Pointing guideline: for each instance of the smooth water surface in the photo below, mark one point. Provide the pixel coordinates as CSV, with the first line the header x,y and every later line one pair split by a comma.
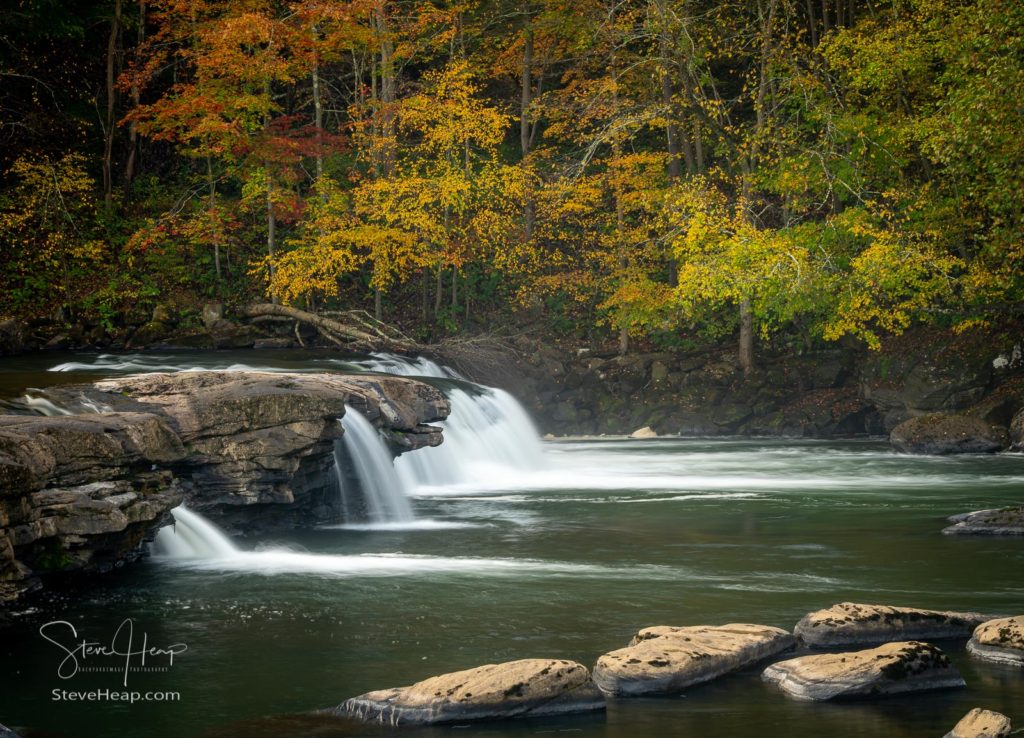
x,y
566,559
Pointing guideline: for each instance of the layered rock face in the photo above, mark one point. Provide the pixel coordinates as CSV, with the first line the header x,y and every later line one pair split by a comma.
x,y
999,640
525,688
894,668
851,624
81,493
664,660
252,450
980,723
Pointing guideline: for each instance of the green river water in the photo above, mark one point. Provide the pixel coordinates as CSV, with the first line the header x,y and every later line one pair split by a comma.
x,y
565,560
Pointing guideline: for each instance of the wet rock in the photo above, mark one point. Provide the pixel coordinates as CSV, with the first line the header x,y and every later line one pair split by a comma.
x,y
645,432
274,343
999,640
665,660
980,723
1004,521
526,688
851,624
6,732
948,434
894,668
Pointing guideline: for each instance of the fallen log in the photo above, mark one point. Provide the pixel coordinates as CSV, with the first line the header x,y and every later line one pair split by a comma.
x,y
356,333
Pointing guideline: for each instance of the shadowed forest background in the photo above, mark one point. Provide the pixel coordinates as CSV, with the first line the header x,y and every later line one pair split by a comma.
x,y
663,171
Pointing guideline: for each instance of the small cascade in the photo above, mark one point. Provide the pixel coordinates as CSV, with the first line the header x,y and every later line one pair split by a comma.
x,y
192,537
362,452
488,432
43,406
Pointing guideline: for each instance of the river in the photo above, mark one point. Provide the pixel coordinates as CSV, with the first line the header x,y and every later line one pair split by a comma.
x,y
559,549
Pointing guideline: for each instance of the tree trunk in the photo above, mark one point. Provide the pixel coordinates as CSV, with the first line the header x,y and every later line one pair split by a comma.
x,y
133,126
746,338
377,308
212,184
271,228
318,110
359,331
108,132
439,291
525,133
455,289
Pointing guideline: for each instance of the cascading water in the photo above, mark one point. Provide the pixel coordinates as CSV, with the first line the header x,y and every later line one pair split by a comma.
x,y
488,432
192,537
382,493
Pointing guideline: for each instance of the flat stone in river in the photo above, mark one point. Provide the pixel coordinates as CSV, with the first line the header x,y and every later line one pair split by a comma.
x,y
999,640
980,723
665,659
525,688
1004,521
894,668
852,624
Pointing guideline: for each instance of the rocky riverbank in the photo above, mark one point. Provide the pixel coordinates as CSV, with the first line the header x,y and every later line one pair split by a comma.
x,y
83,493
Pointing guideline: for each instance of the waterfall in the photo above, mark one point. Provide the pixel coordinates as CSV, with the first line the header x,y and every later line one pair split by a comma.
x,y
488,432
363,453
192,537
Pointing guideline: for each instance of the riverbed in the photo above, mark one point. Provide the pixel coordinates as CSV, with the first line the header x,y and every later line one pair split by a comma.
x,y
563,551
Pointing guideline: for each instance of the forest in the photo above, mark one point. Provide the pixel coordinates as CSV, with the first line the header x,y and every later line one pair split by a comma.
x,y
656,171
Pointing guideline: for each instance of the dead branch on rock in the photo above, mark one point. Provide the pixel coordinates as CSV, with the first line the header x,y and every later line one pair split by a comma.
x,y
357,333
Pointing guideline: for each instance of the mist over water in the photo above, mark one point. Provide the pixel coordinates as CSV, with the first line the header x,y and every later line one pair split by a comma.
x,y
516,548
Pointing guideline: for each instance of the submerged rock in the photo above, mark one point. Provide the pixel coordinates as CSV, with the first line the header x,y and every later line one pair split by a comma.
x,y
999,640
980,723
1004,521
942,434
894,668
851,624
526,688
664,659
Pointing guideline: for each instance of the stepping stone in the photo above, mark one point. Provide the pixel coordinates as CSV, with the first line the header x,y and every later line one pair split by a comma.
x,y
980,723
665,659
851,624
999,640
525,688
894,668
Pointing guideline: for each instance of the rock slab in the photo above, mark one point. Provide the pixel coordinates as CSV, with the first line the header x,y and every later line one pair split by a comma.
x,y
940,433
852,624
895,668
1004,521
665,659
980,723
525,688
999,640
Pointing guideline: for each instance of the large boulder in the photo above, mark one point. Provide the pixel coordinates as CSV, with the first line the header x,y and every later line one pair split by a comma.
x,y
1004,521
999,640
980,723
939,433
526,688
665,660
851,624
894,668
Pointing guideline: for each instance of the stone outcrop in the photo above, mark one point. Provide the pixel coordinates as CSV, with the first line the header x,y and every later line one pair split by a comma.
x,y
894,668
1004,521
526,688
81,493
645,432
999,640
665,660
980,723
942,434
851,624
253,450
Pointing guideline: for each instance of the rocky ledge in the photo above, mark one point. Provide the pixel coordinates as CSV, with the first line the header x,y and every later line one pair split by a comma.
x,y
942,434
894,668
1004,521
980,723
252,450
81,493
999,640
664,660
525,688
851,624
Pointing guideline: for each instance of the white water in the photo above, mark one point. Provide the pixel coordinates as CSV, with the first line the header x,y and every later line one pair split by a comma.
x,y
193,537
381,491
